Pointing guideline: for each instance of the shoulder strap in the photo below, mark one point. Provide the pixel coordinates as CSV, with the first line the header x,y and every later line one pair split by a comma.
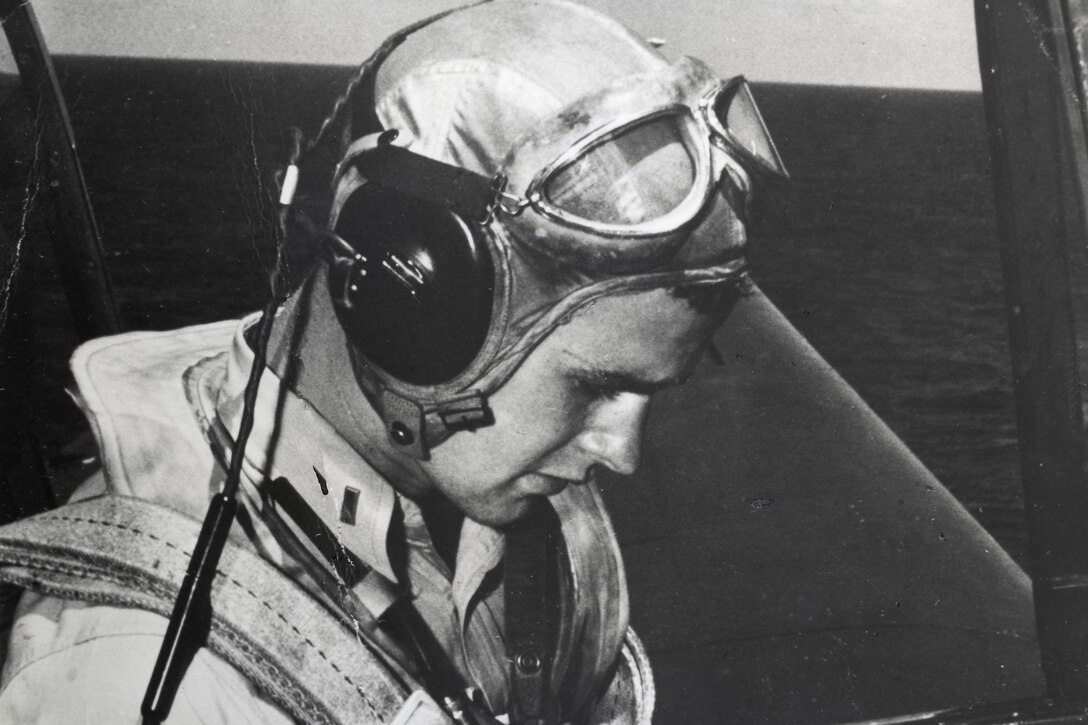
x,y
534,607
128,552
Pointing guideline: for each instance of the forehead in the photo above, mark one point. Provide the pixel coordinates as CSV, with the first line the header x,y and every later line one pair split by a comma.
x,y
652,334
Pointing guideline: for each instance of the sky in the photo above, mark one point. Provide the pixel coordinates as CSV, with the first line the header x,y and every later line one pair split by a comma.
x,y
884,43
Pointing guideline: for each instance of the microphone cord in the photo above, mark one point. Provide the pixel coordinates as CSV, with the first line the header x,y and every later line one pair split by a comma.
x,y
190,620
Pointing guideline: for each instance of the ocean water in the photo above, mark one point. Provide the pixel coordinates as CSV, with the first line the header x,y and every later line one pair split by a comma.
x,y
880,249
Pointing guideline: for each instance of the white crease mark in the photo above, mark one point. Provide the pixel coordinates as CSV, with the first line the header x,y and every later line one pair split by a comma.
x,y
260,225
260,185
32,187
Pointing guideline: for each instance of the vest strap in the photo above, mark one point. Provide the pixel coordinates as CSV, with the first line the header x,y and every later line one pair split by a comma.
x,y
124,551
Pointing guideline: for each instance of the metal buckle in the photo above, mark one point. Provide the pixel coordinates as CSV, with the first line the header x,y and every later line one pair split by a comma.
x,y
509,204
467,411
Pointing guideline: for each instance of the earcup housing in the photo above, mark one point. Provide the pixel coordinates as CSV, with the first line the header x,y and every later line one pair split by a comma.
x,y
416,301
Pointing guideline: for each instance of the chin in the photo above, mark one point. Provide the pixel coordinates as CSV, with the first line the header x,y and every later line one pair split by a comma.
x,y
515,501
499,516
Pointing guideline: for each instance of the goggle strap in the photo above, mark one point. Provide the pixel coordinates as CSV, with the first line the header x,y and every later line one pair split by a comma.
x,y
464,192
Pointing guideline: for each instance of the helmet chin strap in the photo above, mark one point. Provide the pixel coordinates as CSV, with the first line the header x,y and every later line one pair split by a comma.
x,y
404,425
415,427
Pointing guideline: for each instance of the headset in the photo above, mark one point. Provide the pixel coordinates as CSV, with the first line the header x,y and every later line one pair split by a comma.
x,y
412,277
412,268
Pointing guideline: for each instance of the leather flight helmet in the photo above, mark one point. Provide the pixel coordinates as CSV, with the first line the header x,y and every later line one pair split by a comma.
x,y
512,162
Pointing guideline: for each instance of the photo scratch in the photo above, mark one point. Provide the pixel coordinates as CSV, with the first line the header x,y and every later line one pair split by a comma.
x,y
15,257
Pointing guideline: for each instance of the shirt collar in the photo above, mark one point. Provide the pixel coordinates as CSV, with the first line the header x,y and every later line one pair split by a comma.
x,y
291,439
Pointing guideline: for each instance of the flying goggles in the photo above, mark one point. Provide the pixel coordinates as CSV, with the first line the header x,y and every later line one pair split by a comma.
x,y
610,182
634,183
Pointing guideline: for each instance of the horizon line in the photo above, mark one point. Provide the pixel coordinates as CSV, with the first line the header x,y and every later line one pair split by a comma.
x,y
753,78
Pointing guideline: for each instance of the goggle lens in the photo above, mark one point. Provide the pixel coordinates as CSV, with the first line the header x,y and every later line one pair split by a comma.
x,y
741,124
640,174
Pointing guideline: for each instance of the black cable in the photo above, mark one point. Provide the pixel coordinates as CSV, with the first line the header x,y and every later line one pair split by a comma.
x,y
190,621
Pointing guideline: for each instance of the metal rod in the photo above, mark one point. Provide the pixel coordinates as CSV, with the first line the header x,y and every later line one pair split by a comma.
x,y
76,240
1025,60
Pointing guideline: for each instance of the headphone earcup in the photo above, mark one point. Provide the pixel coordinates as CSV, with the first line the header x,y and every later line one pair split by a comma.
x,y
416,300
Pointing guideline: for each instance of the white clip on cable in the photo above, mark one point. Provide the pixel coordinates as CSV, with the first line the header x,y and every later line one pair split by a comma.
x,y
290,183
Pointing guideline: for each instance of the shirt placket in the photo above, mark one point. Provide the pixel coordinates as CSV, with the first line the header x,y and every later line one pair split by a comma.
x,y
461,617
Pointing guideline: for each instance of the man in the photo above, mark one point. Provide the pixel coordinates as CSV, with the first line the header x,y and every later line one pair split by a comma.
x,y
537,226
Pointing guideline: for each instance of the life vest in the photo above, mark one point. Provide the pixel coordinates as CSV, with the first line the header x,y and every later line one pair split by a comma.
x,y
123,551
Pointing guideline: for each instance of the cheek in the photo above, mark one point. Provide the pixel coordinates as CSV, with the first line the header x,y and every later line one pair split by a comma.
x,y
537,426
539,418
525,431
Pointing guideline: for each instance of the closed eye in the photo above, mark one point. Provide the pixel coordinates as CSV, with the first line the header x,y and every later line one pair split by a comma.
x,y
598,384
596,391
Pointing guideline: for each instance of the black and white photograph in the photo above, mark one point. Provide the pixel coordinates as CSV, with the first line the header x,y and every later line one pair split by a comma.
x,y
543,362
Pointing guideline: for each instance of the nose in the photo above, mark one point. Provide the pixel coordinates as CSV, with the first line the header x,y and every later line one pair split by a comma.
x,y
613,433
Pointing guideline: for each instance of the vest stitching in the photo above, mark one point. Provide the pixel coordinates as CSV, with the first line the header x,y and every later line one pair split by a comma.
x,y
232,580
45,587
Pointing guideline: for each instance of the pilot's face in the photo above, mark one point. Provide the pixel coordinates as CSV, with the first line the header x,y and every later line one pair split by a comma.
x,y
579,400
